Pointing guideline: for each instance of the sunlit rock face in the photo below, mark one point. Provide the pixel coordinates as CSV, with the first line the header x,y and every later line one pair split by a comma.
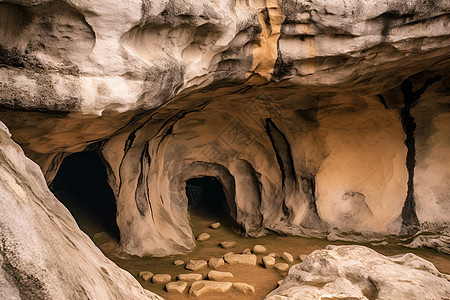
x,y
43,253
318,118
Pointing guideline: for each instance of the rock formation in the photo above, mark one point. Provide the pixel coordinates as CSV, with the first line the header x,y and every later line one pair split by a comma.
x,y
43,253
317,117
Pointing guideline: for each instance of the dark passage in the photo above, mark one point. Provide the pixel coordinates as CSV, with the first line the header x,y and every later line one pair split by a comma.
x,y
206,197
81,186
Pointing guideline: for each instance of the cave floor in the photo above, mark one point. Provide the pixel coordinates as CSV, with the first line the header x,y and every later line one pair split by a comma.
x,y
264,280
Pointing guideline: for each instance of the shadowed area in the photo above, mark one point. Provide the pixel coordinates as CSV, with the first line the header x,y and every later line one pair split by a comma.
x,y
81,186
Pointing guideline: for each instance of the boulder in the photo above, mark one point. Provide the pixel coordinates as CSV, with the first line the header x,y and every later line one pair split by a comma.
x,y
219,276
176,287
200,288
190,277
215,225
282,267
244,288
195,265
259,249
246,259
268,261
178,262
203,237
161,278
227,244
287,257
145,275
216,263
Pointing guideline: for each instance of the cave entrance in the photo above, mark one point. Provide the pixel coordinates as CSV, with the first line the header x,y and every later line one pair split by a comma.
x,y
206,198
81,185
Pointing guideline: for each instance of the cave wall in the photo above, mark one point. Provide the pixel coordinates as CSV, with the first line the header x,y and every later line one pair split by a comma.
x,y
318,117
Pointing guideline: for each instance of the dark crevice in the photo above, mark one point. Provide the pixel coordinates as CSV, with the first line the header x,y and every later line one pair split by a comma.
x,y
312,219
142,197
382,101
410,222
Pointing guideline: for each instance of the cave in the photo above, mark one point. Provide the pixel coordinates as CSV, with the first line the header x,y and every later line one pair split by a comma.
x,y
206,197
81,185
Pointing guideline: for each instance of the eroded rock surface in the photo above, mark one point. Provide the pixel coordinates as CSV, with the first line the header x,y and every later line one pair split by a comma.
x,y
357,272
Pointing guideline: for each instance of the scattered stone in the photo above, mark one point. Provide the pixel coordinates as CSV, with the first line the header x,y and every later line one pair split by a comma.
x,y
228,253
178,262
246,259
247,251
287,257
177,287
268,261
282,267
215,225
198,288
145,275
219,276
161,278
302,257
273,254
244,288
227,244
203,237
279,282
195,265
216,263
259,249
190,277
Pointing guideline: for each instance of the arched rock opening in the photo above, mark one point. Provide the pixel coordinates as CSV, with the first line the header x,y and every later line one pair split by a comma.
x,y
81,185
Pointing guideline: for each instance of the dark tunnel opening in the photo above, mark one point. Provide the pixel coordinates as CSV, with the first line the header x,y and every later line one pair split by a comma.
x,y
81,185
206,197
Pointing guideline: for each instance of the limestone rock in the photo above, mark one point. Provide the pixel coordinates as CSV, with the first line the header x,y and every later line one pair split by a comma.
x,y
178,262
358,272
176,287
203,237
259,249
283,267
246,259
42,240
287,257
244,288
190,277
268,261
161,278
200,288
145,275
195,265
216,263
215,225
219,276
227,244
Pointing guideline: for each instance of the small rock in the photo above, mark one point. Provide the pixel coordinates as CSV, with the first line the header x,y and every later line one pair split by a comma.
x,y
216,263
161,278
259,249
219,276
268,261
195,265
282,267
177,287
198,288
246,259
247,251
244,288
226,254
178,262
190,277
287,257
273,254
203,237
302,257
227,245
279,282
215,225
145,275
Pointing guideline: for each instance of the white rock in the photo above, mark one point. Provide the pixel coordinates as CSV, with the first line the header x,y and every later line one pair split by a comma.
x,y
199,288
145,275
357,272
195,265
219,276
215,225
176,287
247,259
244,288
268,261
287,257
178,262
259,249
216,263
190,277
281,267
203,237
161,278
227,244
